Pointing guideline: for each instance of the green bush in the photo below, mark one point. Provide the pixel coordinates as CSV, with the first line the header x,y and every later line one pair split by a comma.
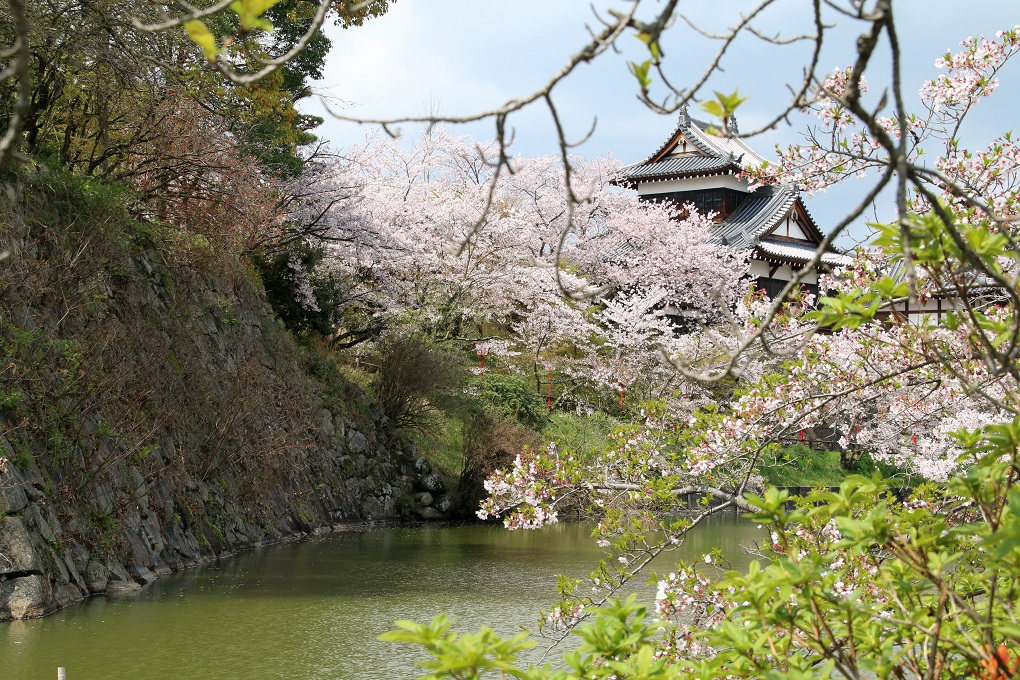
x,y
581,433
413,378
800,465
282,287
513,397
336,300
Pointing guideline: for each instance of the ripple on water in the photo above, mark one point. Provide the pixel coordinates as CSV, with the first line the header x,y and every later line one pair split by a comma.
x,y
313,609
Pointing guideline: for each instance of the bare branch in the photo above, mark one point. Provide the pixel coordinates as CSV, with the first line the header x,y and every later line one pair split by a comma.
x,y
17,68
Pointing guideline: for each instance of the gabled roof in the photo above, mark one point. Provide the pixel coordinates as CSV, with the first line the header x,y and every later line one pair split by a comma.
x,y
760,212
750,226
709,153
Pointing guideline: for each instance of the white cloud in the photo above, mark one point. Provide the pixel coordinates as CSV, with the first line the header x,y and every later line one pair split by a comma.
x,y
464,56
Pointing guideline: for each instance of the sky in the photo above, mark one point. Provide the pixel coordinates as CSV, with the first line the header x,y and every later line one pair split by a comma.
x,y
458,57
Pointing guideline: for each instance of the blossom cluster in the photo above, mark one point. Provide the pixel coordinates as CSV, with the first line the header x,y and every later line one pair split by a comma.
x,y
525,494
689,601
844,146
564,618
969,74
431,238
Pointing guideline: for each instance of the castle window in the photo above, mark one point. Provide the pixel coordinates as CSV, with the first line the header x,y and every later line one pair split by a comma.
x,y
721,201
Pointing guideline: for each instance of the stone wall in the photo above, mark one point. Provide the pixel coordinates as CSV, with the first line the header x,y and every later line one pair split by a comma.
x,y
155,414
55,551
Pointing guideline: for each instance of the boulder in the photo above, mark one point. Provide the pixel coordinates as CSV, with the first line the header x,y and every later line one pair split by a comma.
x,y
444,503
67,594
428,512
12,485
16,554
25,597
119,581
141,574
421,466
432,482
357,442
96,577
39,524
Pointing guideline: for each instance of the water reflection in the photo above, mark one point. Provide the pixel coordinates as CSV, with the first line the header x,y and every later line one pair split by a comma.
x,y
313,609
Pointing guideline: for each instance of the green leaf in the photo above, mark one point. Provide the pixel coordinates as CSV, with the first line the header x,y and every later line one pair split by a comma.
x,y
653,46
724,105
713,108
250,12
1005,540
641,72
201,36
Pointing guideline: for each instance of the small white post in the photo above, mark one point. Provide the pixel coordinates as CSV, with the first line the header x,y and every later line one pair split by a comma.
x,y
61,673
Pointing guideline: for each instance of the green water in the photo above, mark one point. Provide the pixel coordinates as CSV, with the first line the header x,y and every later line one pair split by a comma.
x,y
313,609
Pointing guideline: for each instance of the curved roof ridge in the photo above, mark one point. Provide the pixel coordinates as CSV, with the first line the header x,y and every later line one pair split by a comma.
x,y
669,140
761,211
725,146
684,124
715,146
801,251
784,208
695,132
803,205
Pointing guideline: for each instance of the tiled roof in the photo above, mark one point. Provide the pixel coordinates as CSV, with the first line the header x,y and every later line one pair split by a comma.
x,y
801,252
746,228
759,212
674,165
723,147
720,151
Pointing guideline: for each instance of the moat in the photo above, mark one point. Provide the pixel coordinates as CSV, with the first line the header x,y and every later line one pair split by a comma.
x,y
313,609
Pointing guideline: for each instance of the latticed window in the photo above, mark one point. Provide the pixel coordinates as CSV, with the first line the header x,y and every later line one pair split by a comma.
x,y
773,287
721,201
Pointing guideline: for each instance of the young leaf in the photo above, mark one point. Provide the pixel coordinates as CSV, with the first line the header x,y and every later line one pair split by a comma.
x,y
640,72
724,105
653,46
250,12
201,36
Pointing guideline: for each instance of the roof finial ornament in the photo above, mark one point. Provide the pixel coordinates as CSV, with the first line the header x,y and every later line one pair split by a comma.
x,y
731,124
685,116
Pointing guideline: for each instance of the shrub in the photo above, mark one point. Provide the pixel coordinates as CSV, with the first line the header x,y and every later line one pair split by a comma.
x,y
413,376
513,397
491,441
800,465
581,433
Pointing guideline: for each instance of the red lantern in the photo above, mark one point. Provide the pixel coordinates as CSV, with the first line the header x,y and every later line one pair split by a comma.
x,y
482,350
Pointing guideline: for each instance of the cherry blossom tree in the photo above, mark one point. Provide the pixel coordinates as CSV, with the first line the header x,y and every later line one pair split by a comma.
x,y
447,247
856,580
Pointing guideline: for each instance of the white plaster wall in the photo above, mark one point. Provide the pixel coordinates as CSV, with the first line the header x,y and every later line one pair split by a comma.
x,y
693,184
